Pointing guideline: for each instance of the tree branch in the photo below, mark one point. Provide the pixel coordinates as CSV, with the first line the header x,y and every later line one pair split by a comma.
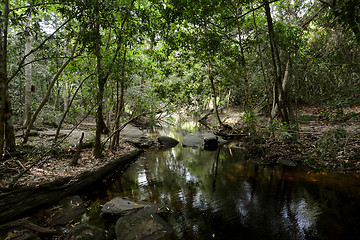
x,y
37,5
250,11
21,64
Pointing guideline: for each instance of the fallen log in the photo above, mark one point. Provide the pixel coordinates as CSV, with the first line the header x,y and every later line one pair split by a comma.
x,y
17,202
26,223
230,135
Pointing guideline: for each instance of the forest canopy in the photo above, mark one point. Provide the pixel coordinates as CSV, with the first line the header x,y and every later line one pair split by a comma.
x,y
61,61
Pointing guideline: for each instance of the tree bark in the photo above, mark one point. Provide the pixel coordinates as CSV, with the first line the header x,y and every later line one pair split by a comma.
x,y
211,80
279,94
7,136
101,85
120,104
28,79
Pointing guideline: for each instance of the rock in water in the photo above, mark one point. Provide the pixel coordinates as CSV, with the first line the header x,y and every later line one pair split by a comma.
x,y
120,206
167,142
136,137
193,140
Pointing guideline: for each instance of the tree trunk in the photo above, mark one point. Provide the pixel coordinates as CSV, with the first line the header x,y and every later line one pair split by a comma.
x,y
68,107
100,95
120,104
211,80
7,136
65,95
3,80
28,79
279,94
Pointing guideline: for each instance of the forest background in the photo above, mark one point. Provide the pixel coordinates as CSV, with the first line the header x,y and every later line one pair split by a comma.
x,y
113,60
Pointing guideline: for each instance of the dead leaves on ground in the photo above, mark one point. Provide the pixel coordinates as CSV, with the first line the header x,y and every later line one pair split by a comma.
x,y
56,167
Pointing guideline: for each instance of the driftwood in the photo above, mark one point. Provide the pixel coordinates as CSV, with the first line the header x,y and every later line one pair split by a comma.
x,y
17,202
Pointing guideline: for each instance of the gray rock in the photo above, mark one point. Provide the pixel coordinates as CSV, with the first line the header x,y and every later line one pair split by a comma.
x,y
193,140
70,208
196,140
136,137
120,206
85,232
138,226
123,207
167,142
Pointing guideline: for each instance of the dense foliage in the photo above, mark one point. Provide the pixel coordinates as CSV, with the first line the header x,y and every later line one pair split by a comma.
x,y
104,58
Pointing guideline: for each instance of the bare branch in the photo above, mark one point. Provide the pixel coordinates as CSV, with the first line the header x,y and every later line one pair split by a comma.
x,y
21,64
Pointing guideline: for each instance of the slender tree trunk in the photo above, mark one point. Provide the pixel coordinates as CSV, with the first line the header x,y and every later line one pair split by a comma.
x,y
46,97
100,95
28,79
68,107
211,80
266,81
120,105
65,94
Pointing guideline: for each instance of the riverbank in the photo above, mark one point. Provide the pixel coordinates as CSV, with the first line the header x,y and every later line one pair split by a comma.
x,y
323,139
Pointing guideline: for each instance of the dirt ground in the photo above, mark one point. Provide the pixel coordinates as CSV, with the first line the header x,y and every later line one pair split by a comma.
x,y
326,140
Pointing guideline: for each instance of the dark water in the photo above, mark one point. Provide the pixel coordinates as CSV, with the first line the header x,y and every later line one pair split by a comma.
x,y
220,195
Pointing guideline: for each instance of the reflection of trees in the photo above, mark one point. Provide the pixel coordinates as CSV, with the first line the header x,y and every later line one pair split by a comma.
x,y
221,193
215,168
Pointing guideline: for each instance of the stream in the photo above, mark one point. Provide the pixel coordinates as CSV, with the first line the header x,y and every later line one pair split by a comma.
x,y
221,195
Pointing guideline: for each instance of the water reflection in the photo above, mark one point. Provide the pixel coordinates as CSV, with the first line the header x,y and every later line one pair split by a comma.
x,y
218,194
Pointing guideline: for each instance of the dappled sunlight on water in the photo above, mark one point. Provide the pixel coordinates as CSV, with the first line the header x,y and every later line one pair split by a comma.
x,y
219,194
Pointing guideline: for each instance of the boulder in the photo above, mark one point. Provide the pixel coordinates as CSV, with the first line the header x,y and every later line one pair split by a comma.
x,y
193,140
70,208
137,226
135,136
85,232
123,207
120,206
166,141
210,139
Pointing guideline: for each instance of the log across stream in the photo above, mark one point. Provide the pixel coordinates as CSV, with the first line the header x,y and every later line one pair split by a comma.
x,y
17,202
